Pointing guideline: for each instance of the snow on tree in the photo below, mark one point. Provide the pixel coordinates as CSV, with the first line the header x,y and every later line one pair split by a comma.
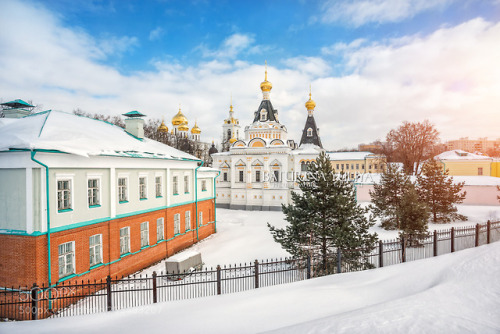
x,y
325,216
413,215
437,189
413,143
387,195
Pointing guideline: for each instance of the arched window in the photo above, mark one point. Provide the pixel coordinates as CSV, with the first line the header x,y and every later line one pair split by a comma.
x,y
263,115
303,167
309,132
229,133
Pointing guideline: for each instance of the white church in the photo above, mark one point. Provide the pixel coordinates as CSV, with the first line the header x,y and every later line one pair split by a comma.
x,y
259,171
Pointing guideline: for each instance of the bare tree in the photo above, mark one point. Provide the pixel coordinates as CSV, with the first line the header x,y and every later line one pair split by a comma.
x,y
413,143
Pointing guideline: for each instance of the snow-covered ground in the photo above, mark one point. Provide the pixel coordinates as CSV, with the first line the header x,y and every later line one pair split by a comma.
x,y
243,236
453,293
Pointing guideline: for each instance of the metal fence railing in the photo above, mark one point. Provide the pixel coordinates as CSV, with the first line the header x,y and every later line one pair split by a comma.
x,y
86,297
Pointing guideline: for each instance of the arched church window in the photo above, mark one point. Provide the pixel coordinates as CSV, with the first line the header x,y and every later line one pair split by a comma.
x,y
303,167
263,114
309,132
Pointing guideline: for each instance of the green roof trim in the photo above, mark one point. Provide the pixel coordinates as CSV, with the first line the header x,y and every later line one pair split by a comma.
x,y
17,103
134,113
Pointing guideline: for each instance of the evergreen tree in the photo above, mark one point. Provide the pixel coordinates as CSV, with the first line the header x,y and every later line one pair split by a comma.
x,y
413,215
387,195
437,189
325,216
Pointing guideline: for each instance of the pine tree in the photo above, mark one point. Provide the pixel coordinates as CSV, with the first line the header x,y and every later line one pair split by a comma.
x,y
437,189
325,216
387,195
413,215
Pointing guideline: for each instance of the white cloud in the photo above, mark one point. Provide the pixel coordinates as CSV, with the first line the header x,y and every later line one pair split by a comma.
x,y
450,77
358,13
231,47
113,45
156,33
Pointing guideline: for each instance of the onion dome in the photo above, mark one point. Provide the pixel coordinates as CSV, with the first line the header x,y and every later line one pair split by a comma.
x,y
183,127
163,127
232,140
310,105
195,129
212,149
266,86
179,119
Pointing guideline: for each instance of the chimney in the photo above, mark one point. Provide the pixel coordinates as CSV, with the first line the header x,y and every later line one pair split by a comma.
x,y
134,124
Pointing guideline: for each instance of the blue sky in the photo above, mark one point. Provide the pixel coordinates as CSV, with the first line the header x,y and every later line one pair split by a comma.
x,y
371,64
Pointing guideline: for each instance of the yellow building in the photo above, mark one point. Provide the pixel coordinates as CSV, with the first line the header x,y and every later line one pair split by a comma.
x,y
459,162
357,163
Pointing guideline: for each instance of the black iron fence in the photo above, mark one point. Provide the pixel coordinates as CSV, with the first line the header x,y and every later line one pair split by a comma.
x,y
86,297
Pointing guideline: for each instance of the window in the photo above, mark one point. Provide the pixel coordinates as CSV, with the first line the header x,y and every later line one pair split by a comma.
x,y
225,176
95,249
159,229
309,132
276,175
346,166
177,223
257,176
370,166
158,186
93,192
66,259
303,167
362,166
241,175
64,195
480,171
263,115
122,189
338,167
342,166
144,234
200,222
357,166
187,220
375,166
176,185
186,184
124,240
203,185
143,190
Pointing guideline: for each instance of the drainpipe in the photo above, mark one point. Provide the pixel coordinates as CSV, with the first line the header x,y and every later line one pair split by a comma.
x,y
196,197
215,203
48,215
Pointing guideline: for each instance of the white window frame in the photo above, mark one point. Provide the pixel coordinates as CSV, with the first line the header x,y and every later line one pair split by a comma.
x,y
187,220
177,223
144,234
175,184
66,257
309,132
263,115
160,229
70,179
125,240
95,250
186,184
203,185
143,188
120,200
159,186
98,190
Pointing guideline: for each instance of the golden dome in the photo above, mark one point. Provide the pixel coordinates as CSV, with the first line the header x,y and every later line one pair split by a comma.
x,y
310,105
232,140
265,85
179,119
183,127
163,127
195,129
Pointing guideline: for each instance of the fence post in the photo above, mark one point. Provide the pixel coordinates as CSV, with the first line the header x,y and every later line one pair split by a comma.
x,y
435,244
256,264
403,249
108,288
34,302
339,261
452,236
380,254
308,264
488,232
218,280
477,235
155,292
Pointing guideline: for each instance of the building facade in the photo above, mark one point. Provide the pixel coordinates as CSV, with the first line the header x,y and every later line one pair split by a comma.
x,y
459,162
83,199
259,172
355,164
482,145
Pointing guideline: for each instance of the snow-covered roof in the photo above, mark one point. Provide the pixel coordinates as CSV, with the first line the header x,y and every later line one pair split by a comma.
x,y
307,149
338,156
470,180
460,155
69,133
